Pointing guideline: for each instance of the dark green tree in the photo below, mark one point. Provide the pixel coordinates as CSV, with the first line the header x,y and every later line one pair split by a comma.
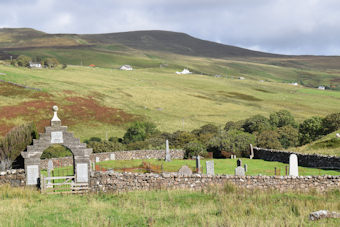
x,y
23,61
257,123
310,130
268,139
139,131
288,136
282,118
331,123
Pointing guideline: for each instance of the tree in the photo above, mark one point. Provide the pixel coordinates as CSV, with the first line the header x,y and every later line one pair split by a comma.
x,y
281,118
257,123
268,139
180,138
288,136
139,131
310,130
234,125
331,123
23,61
195,148
50,62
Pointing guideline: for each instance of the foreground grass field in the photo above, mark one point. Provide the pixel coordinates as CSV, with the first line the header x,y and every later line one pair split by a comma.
x,y
225,206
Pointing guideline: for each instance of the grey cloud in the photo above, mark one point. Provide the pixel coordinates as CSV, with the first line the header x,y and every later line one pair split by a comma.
x,y
280,26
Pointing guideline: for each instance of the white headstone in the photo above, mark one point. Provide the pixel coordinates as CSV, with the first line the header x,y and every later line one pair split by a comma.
x,y
97,159
239,171
210,167
82,172
167,151
32,174
57,137
293,165
113,156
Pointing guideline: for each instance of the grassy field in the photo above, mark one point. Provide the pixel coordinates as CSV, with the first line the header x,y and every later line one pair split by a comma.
x,y
225,206
94,101
222,166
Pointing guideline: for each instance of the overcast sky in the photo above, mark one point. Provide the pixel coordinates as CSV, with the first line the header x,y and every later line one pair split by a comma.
x,y
278,26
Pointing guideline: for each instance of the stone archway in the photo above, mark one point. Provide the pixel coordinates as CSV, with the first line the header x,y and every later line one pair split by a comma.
x,y
57,134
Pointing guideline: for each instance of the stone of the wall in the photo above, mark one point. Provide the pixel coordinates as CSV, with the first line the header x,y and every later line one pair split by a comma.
x,y
14,177
119,155
120,182
306,160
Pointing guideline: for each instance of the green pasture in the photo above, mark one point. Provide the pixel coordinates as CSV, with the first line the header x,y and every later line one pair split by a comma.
x,y
222,206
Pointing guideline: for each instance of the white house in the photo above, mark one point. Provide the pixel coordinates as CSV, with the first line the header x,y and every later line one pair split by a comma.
x,y
126,67
321,88
241,78
185,71
35,65
294,84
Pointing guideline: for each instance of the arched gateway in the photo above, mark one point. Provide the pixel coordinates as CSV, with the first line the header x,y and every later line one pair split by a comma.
x,y
57,134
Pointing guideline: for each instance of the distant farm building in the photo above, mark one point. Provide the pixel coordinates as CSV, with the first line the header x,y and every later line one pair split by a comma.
x,y
241,78
322,88
185,71
35,65
294,84
126,67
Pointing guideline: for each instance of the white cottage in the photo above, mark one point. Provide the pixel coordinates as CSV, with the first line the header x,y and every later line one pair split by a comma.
x,y
185,71
35,65
126,67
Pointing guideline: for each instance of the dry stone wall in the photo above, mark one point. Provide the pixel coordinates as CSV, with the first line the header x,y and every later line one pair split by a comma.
x,y
14,177
306,160
118,155
121,182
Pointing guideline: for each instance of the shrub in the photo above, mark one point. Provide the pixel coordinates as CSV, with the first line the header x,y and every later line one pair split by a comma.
x,y
139,131
180,138
105,146
238,125
56,151
195,148
268,139
282,118
23,61
288,136
331,123
17,140
310,130
206,129
50,62
257,123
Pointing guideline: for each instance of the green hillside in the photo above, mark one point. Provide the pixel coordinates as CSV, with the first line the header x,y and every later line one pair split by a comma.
x,y
96,101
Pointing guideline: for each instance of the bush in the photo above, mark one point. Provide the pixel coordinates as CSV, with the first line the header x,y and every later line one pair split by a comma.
x,y
17,140
282,118
257,123
195,148
206,129
139,131
288,136
234,141
310,130
105,146
23,61
180,138
56,151
238,125
50,62
331,123
268,139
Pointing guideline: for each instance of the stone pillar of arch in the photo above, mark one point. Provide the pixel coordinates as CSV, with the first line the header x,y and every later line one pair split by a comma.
x,y
57,134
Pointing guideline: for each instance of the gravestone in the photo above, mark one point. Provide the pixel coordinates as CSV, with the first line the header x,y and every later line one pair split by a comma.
x,y
239,171
185,170
82,173
239,162
198,164
293,165
32,174
167,151
49,169
245,167
97,159
210,167
113,156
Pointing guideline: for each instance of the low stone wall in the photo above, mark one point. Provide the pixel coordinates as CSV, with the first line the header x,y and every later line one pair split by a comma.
x,y
14,177
118,155
306,160
120,182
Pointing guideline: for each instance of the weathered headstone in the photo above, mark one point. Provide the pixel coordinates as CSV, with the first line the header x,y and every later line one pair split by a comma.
x,y
251,156
245,167
293,165
167,151
49,170
112,156
210,167
97,159
198,164
82,173
185,170
239,171
239,162
32,174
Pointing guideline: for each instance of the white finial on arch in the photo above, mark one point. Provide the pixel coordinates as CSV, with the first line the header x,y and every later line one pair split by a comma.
x,y
55,116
